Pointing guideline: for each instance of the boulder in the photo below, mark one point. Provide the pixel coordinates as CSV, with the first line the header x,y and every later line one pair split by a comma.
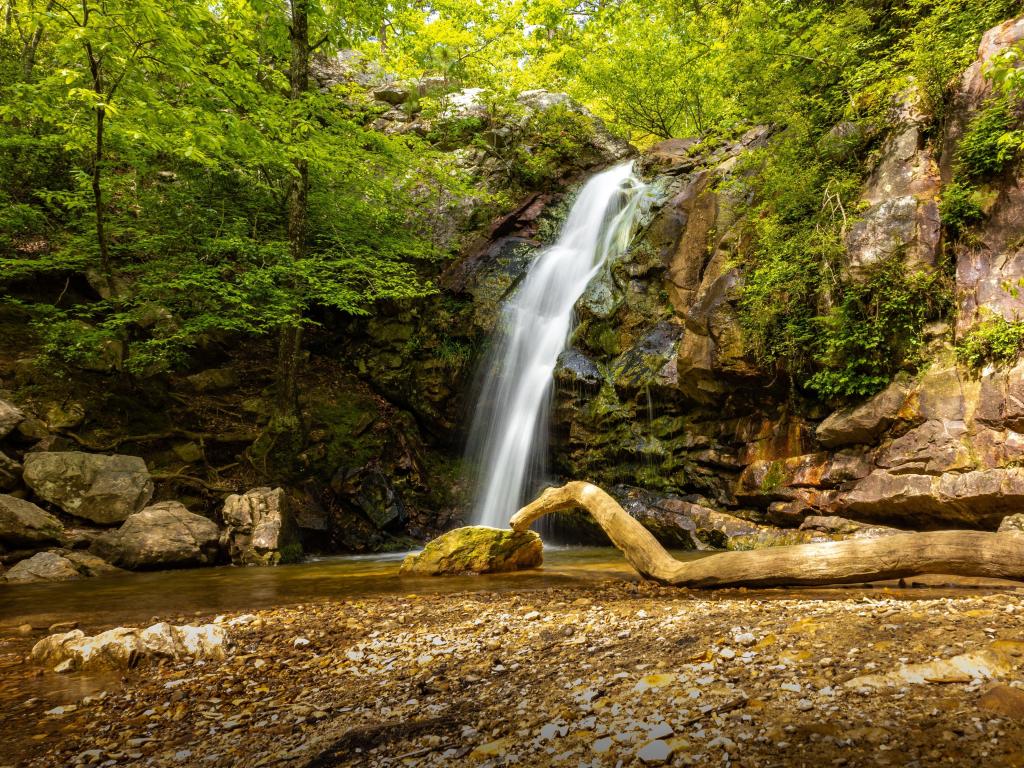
x,y
10,473
369,490
23,524
863,424
10,417
165,535
43,566
476,549
392,93
259,526
213,380
125,647
104,489
1012,523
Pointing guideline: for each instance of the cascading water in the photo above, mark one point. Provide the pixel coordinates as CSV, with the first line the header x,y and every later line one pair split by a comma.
x,y
508,439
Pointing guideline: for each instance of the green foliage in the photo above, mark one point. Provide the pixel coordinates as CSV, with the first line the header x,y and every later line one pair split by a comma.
x,y
984,149
959,208
995,340
876,329
549,139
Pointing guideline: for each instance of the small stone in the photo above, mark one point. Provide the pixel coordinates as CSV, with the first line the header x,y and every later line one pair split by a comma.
x,y
727,653
532,616
655,752
24,629
793,687
804,705
65,666
602,745
300,642
746,639
660,731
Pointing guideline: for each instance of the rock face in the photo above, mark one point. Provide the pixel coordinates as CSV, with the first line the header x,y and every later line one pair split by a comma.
x,y
259,526
125,647
165,535
23,524
104,489
1012,523
476,549
10,473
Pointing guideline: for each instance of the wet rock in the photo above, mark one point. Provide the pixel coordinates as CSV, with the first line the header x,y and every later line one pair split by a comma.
x,y
259,527
165,535
476,549
10,417
864,423
23,524
125,647
104,489
576,369
43,566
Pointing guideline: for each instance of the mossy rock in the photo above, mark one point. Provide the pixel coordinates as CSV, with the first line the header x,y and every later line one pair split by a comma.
x,y
476,549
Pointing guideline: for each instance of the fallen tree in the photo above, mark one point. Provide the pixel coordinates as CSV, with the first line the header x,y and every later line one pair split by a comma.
x,y
956,553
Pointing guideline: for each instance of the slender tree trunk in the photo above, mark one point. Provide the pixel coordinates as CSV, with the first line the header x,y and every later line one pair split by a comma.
x,y
96,72
957,553
290,341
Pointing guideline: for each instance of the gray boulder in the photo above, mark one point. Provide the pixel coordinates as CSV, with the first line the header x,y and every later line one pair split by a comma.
x,y
42,566
165,535
259,525
23,524
10,417
104,489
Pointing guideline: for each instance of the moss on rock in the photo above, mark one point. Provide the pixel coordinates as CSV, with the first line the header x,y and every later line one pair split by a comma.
x,y
476,549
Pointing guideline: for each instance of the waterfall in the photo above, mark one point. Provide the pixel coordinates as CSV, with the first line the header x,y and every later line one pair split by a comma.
x,y
508,439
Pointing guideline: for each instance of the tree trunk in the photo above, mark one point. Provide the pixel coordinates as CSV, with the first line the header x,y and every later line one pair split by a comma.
x,y
290,341
956,553
96,73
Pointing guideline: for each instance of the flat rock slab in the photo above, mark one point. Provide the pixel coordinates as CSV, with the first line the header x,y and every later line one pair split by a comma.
x,y
476,549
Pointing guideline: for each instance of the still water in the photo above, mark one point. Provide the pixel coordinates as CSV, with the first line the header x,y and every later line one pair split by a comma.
x,y
136,598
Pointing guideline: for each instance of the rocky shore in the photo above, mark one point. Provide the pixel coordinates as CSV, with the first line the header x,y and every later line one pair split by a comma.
x,y
618,673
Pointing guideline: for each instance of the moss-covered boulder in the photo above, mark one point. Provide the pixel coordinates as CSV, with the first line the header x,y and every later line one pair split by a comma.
x,y
476,549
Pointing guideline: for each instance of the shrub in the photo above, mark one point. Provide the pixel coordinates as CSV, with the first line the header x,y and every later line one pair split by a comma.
x,y
995,340
983,149
959,208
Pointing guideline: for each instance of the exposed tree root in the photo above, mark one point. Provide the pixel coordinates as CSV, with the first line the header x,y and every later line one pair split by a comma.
x,y
955,553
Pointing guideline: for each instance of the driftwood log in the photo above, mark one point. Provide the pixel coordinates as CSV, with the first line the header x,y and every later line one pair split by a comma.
x,y
955,553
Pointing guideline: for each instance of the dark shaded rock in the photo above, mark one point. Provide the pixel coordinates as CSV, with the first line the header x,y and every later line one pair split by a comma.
x,y
23,524
213,380
104,489
165,535
476,549
392,93
10,473
370,491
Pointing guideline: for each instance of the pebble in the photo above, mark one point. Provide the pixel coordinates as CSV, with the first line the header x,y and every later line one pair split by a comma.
x,y
655,752
804,705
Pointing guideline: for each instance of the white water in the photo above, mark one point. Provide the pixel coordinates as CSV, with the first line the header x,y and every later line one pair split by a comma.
x,y
508,440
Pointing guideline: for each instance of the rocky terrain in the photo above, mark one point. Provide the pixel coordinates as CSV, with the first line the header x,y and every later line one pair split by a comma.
x,y
619,673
